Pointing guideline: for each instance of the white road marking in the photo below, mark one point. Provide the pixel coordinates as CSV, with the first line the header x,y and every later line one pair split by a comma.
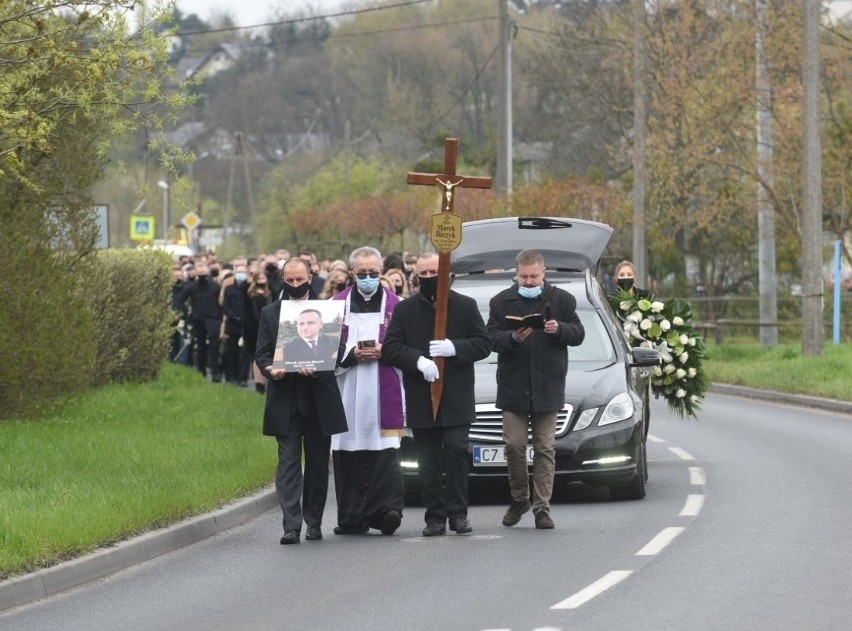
x,y
692,506
658,543
655,439
696,476
680,453
451,537
595,589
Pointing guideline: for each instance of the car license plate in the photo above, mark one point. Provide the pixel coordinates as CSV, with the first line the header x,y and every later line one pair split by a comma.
x,y
494,455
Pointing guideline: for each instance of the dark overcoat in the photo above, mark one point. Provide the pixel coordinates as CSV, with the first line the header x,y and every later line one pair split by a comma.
x,y
411,329
531,374
205,311
281,393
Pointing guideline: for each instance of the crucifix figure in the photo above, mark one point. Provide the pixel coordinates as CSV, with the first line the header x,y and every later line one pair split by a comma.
x,y
445,236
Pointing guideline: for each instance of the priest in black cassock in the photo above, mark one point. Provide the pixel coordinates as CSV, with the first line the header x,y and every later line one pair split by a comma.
x,y
367,473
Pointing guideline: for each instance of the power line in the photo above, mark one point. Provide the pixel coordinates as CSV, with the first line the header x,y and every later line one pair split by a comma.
x,y
298,20
274,43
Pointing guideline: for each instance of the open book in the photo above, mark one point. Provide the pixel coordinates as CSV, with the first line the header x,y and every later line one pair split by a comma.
x,y
534,320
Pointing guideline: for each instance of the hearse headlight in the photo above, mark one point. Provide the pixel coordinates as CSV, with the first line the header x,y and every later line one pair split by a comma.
x,y
586,418
619,408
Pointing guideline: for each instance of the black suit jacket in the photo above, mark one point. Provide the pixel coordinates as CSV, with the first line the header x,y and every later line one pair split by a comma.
x,y
283,395
297,350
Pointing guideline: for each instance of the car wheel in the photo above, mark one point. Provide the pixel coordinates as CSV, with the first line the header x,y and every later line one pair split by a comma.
x,y
635,489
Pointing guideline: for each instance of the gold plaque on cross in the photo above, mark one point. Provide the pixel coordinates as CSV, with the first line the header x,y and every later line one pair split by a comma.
x,y
446,232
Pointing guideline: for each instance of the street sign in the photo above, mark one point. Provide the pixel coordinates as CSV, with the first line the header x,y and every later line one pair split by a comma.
x,y
191,220
141,228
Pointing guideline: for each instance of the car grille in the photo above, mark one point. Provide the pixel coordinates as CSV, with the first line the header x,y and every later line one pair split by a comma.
x,y
488,427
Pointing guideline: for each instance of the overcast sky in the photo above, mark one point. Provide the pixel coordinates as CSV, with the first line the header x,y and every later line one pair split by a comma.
x,y
247,12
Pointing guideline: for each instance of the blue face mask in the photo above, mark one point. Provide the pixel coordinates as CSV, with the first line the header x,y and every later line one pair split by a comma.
x,y
367,285
240,276
529,292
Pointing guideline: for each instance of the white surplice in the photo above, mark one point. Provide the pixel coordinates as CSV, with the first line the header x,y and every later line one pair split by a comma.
x,y
359,389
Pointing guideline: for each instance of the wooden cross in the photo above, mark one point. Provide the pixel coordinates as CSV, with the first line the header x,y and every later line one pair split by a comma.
x,y
446,236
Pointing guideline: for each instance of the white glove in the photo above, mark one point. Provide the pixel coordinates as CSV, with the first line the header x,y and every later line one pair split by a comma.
x,y
442,348
428,368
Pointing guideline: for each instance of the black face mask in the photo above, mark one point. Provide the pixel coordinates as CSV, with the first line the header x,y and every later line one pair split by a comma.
x,y
625,283
428,286
261,285
298,292
214,273
202,278
397,290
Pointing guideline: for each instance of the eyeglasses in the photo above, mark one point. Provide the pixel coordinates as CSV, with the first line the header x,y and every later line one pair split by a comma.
x,y
363,275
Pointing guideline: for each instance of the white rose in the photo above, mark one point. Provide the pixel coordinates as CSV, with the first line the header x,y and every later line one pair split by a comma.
x,y
635,316
694,398
658,372
628,326
665,325
683,339
646,344
657,306
645,324
680,393
692,372
680,373
692,341
668,369
677,320
684,357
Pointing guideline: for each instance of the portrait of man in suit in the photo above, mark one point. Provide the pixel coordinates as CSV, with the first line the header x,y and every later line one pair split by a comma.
x,y
311,347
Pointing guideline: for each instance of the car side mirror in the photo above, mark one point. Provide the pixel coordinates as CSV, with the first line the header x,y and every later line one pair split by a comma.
x,y
644,357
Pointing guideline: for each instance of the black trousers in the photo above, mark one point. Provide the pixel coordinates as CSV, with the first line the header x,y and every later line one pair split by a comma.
x,y
302,497
368,484
235,360
206,350
442,451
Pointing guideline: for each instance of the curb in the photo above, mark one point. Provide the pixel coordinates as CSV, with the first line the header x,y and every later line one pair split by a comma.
x,y
803,400
29,587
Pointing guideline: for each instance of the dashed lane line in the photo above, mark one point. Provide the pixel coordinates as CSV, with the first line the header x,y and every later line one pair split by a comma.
x,y
595,589
697,477
659,543
680,453
692,506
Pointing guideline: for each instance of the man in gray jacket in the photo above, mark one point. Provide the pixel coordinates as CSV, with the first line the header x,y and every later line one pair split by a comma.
x,y
531,368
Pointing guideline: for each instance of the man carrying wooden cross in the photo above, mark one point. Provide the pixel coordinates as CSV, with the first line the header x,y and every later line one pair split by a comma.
x,y
434,338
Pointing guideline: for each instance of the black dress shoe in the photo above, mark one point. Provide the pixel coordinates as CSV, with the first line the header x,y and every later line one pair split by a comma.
x,y
346,530
290,537
461,525
434,529
313,534
391,522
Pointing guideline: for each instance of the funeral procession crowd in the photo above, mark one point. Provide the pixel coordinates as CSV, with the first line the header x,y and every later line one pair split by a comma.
x,y
346,356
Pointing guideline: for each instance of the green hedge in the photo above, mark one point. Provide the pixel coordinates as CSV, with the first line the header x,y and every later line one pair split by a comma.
x,y
132,315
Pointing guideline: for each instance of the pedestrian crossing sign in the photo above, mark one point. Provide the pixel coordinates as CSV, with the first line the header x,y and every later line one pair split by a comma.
x,y
141,228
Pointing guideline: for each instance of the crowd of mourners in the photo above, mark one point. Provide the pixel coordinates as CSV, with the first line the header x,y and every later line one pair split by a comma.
x,y
219,305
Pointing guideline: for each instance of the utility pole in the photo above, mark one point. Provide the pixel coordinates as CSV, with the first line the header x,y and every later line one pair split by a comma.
x,y
501,179
767,278
640,247
812,326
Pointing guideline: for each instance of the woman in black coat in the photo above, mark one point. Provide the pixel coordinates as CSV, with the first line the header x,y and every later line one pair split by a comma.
x,y
258,296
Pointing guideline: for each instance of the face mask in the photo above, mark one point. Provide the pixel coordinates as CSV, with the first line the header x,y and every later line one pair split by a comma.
x,y
530,292
625,283
367,285
202,278
240,276
214,273
397,290
261,284
428,285
298,292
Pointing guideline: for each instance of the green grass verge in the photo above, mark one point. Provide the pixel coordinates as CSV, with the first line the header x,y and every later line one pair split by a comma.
x,y
783,368
124,459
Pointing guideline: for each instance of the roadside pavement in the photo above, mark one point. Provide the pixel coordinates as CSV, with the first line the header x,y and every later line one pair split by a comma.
x,y
30,587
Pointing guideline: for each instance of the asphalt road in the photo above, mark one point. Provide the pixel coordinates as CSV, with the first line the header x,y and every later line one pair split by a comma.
x,y
745,526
